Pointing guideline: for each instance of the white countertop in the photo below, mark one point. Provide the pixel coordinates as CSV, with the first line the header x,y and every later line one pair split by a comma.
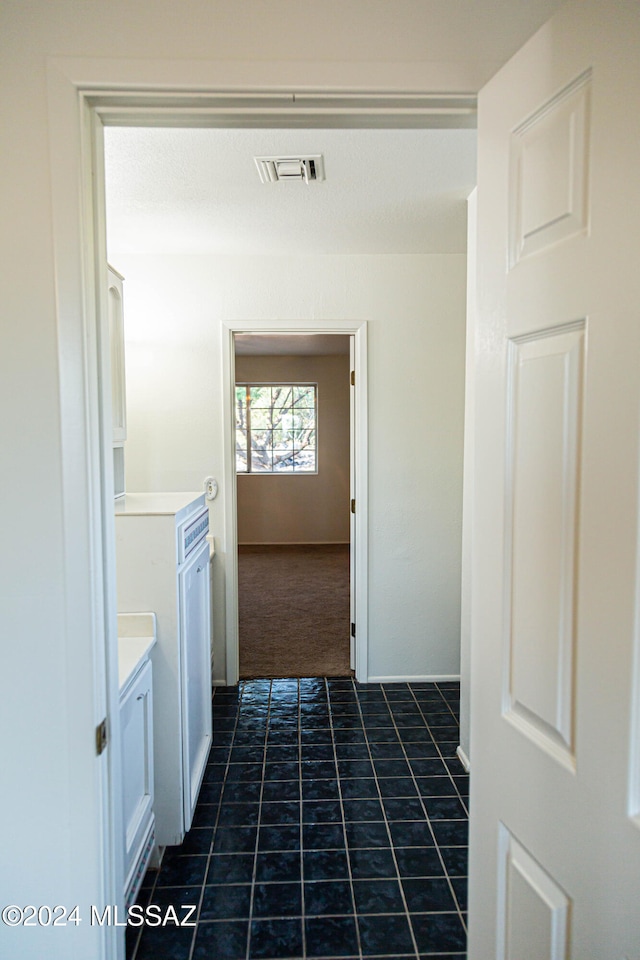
x,y
156,504
136,637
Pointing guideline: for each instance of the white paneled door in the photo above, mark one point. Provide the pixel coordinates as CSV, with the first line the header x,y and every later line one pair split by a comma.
x,y
555,705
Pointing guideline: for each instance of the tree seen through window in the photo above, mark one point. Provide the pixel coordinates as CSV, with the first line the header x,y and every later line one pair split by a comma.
x,y
276,428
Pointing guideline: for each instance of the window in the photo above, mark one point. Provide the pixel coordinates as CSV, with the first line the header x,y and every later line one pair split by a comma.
x,y
276,427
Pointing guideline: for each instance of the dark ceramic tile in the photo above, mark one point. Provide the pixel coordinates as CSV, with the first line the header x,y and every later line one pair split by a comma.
x,y
385,935
322,836
170,943
370,864
323,897
287,812
352,751
397,787
382,735
281,790
364,810
373,834
315,736
428,895
321,811
318,769
246,754
214,772
320,789
462,785
240,772
445,808
277,900
378,896
226,938
436,786
210,792
176,897
198,840
403,809
455,860
278,866
235,840
364,788
281,771
418,862
451,833
285,837
428,767
206,814
276,938
317,751
325,865
226,902
387,751
411,833
238,815
355,768
438,931
460,885
227,868
420,748
241,792
331,937
182,871
281,754
348,736
392,768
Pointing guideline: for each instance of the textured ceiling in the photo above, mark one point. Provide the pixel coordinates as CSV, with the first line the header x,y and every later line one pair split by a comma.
x,y
197,191
296,345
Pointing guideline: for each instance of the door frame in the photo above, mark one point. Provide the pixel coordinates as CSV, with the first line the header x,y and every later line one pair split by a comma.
x,y
358,446
85,94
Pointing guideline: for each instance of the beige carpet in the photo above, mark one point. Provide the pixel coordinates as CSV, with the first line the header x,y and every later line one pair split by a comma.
x,y
294,611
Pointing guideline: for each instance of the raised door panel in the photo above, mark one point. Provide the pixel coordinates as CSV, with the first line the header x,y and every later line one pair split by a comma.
x,y
136,724
196,673
543,447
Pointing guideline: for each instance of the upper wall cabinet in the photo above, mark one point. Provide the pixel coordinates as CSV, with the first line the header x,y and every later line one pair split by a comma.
x,y
116,346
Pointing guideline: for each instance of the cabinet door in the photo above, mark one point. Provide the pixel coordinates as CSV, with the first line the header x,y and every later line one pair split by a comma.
x,y
136,724
116,349
196,673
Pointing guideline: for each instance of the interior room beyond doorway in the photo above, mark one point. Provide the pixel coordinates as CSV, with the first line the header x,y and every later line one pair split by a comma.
x,y
293,519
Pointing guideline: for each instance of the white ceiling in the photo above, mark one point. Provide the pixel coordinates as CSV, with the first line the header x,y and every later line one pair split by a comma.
x,y
197,191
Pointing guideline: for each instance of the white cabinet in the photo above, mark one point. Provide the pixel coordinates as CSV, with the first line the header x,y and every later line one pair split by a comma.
x,y
136,729
163,565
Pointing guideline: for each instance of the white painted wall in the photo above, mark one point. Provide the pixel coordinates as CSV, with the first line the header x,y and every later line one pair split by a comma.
x,y
308,508
415,307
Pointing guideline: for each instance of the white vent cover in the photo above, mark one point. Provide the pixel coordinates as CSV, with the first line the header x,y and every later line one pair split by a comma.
x,y
279,169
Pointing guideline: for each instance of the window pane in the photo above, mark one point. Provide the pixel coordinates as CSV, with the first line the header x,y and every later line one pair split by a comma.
x,y
276,429
260,397
304,396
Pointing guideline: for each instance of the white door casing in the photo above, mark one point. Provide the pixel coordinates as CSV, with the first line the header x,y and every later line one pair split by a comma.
x,y
555,843
357,331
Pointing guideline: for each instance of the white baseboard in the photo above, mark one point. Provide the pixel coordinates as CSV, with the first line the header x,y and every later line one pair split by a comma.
x,y
291,543
464,759
419,678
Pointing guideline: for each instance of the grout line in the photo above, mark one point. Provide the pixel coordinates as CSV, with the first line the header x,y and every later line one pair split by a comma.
x,y
344,824
257,843
215,826
386,819
302,901
444,866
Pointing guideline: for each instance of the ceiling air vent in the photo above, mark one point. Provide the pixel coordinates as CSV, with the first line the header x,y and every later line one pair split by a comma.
x,y
279,169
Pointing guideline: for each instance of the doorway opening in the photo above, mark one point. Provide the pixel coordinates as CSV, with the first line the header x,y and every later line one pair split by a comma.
x,y
294,437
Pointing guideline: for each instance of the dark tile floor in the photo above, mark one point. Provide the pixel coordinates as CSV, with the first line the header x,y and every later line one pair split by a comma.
x,y
332,822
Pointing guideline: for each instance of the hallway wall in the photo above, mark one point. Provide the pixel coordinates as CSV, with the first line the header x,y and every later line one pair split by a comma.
x,y
415,306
